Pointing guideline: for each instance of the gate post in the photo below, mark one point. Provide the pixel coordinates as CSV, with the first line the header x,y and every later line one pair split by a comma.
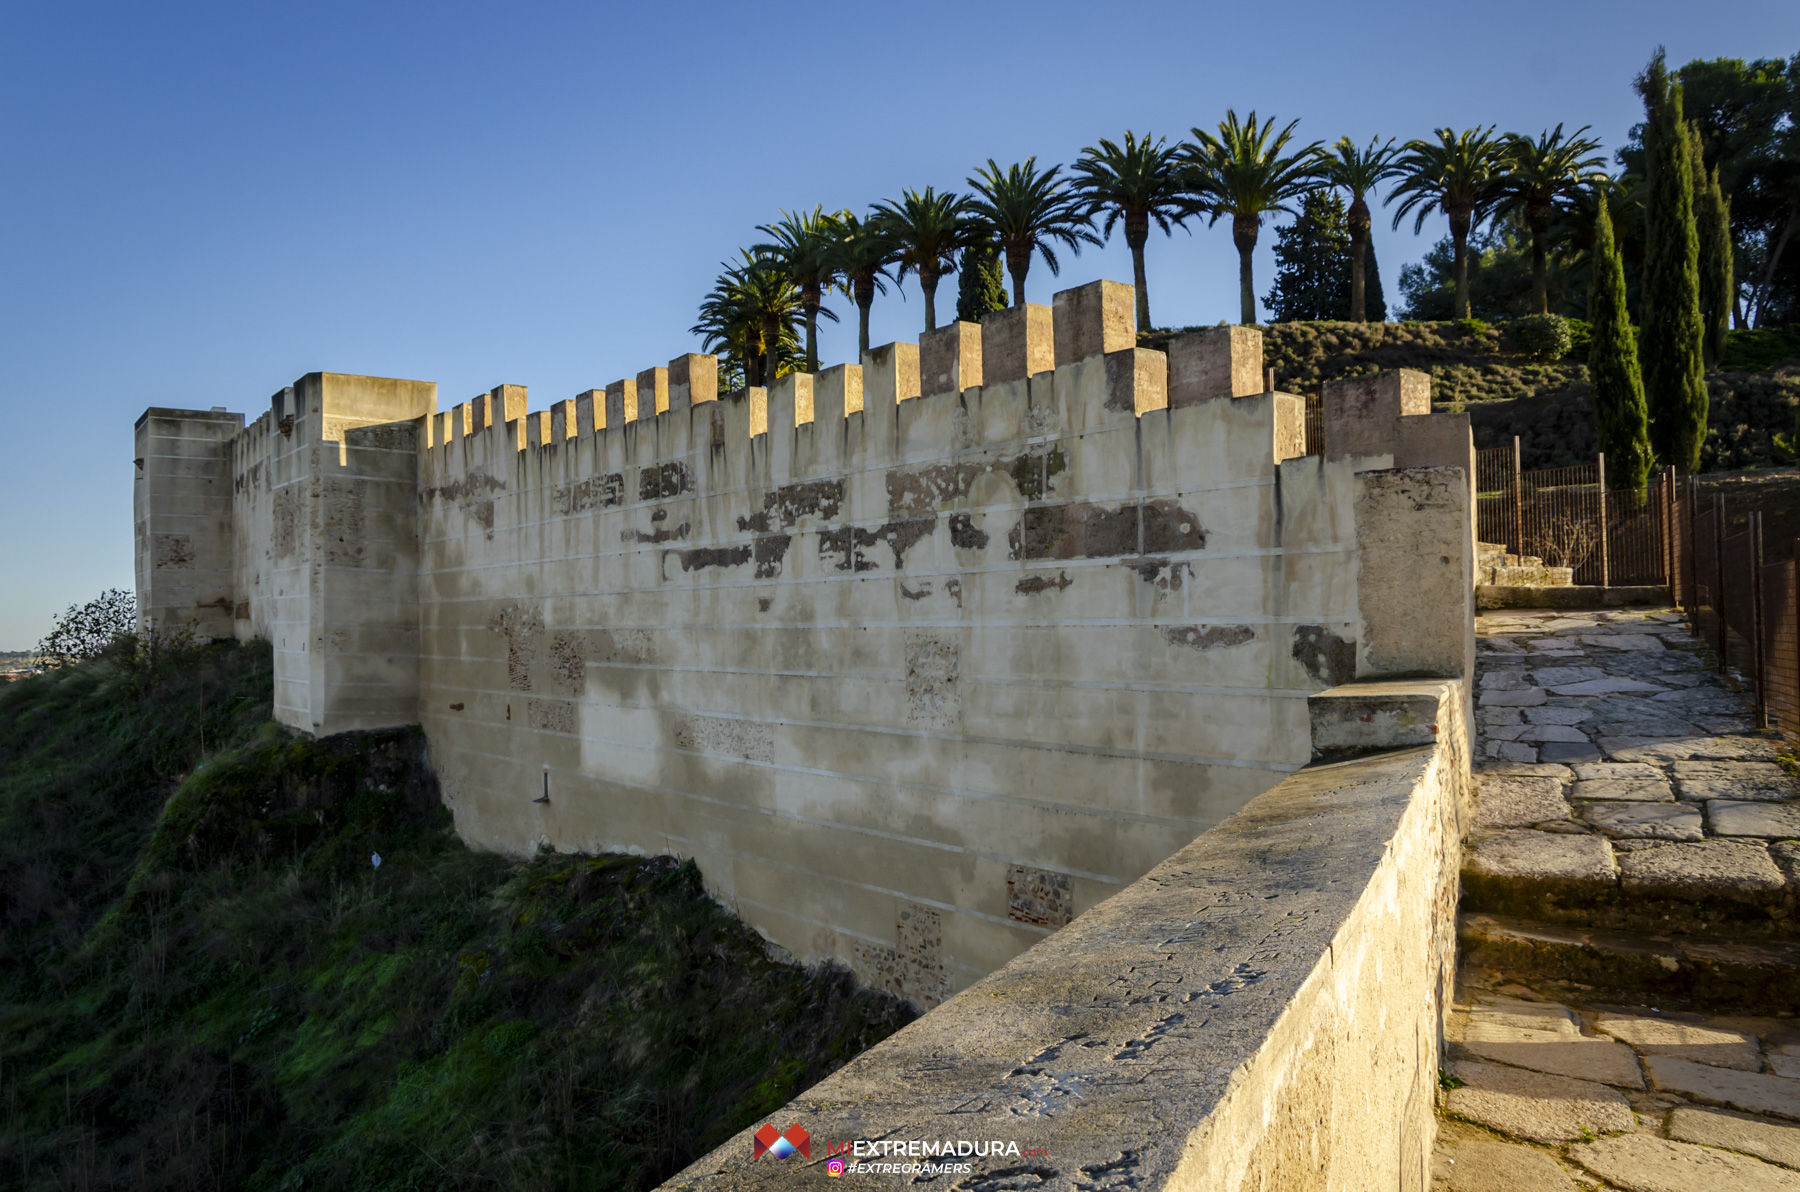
x,y
1719,580
1600,472
1757,620
1518,496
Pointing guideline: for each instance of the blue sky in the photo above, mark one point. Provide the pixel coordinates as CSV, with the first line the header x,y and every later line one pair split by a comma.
x,y
203,202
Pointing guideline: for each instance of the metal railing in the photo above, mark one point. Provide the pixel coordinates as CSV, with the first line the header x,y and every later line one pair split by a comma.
x,y
1568,517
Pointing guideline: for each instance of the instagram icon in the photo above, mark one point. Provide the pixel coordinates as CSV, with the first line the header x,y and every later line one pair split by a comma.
x,y
834,1167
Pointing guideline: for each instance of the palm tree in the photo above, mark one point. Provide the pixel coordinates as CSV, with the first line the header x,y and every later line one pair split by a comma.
x,y
1025,210
1242,173
802,242
861,251
1358,171
1137,183
1532,177
1455,175
754,314
927,231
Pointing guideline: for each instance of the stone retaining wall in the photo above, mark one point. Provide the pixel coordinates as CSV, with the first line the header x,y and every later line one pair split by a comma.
x,y
1263,1010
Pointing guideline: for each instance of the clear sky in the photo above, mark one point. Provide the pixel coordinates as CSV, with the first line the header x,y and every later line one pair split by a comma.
x,y
202,202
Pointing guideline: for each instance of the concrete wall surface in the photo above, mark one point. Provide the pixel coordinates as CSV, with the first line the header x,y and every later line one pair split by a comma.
x,y
1263,1010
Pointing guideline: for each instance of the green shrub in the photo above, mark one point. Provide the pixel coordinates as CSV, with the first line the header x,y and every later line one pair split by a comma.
x,y
1756,351
1472,328
1581,333
1542,338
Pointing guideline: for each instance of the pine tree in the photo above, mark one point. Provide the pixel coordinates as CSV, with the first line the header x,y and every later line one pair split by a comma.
x,y
980,284
1674,375
1613,366
1312,263
1712,220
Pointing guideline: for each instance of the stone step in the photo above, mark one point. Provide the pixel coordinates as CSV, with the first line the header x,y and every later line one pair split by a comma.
x,y
1668,972
1572,596
1525,575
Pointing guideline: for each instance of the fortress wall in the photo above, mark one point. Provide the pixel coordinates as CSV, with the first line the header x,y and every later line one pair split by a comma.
x,y
914,682
918,658
181,519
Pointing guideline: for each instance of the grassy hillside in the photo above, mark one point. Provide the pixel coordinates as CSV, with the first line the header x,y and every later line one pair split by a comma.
x,y
206,983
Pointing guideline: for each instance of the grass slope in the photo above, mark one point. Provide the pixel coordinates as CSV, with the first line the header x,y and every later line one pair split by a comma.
x,y
205,983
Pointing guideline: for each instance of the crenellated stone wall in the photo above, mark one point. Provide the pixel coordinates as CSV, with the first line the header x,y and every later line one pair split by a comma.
x,y
918,657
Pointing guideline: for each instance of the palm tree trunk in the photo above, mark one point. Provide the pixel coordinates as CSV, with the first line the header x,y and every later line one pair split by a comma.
x,y
928,283
809,301
1243,233
1540,269
771,345
1018,263
1359,252
864,288
1137,233
1459,235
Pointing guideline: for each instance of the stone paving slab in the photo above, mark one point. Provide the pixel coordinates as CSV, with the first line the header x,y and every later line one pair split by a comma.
x,y
1731,869
1732,780
1775,821
1523,855
1683,1040
1737,1132
1484,1165
1536,1105
1754,1092
1517,802
1643,1163
1636,790
1646,821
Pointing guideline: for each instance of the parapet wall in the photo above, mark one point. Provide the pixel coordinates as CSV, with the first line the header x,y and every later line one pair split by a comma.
x,y
918,658
1263,1010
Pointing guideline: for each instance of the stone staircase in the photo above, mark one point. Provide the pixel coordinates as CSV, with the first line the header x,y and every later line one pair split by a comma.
x,y
1505,580
1494,568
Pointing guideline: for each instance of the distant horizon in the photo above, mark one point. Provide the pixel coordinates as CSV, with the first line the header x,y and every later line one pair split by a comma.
x,y
215,201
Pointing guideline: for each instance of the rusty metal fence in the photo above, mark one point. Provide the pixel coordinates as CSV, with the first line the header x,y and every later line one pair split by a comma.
x,y
1568,517
1745,608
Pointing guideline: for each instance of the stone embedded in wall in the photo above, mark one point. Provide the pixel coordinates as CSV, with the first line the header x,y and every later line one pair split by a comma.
x,y
920,936
1327,657
520,626
1165,575
568,662
550,715
1031,585
596,492
917,490
630,646
345,527
1038,896
1208,637
965,534
172,550
473,494
933,694
748,739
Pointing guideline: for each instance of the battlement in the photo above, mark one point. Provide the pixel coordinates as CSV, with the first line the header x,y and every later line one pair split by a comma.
x,y
918,656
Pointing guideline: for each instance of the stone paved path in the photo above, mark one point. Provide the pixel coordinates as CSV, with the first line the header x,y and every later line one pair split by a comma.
x,y
1611,751
1546,1094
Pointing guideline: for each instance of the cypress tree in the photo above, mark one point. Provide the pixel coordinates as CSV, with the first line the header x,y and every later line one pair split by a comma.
x,y
1674,374
1374,301
1712,221
1613,366
980,285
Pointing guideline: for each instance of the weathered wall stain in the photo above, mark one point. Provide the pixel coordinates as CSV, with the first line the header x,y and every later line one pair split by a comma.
x,y
346,526
965,534
1327,657
919,489
1208,637
172,550
1151,571
791,502
568,662
1082,530
849,542
550,715
658,535
289,514
596,492
662,481
770,550
1033,584
712,556
907,593
473,494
